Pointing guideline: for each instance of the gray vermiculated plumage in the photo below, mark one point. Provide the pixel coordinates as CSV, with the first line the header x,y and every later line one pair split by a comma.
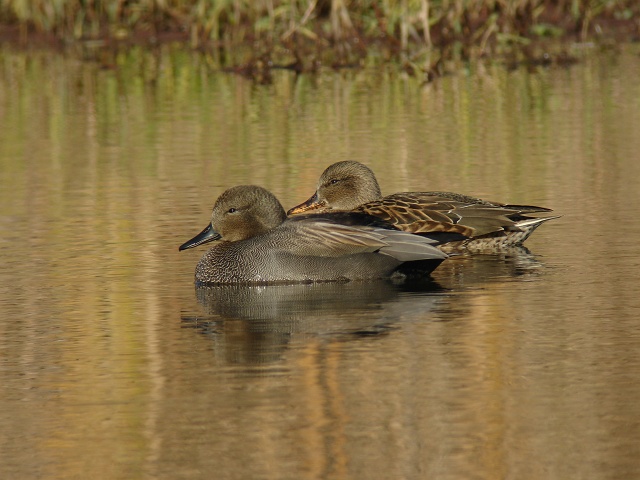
x,y
328,247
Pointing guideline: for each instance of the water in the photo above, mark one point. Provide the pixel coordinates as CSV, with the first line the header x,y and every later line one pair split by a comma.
x,y
112,365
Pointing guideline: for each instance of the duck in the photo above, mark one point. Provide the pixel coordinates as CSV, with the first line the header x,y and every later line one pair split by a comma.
x,y
258,244
459,222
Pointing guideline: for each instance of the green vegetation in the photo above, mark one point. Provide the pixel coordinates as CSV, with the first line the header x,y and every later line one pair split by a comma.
x,y
256,35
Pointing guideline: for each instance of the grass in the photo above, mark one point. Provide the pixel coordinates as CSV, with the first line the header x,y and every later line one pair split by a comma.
x,y
256,35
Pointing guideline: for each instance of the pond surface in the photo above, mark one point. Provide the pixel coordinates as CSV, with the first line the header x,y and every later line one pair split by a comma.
x,y
112,365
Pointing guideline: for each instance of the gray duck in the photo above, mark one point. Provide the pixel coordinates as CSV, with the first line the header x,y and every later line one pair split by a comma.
x,y
260,245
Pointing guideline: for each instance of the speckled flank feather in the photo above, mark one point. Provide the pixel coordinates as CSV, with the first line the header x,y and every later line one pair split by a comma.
x,y
495,241
460,221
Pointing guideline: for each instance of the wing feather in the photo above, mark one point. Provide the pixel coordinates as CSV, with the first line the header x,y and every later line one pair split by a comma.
x,y
325,238
427,212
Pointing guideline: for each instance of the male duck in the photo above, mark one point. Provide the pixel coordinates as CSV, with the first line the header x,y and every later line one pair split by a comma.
x,y
458,221
259,244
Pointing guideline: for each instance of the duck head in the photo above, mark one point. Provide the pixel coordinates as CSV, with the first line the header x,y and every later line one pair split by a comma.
x,y
240,213
342,186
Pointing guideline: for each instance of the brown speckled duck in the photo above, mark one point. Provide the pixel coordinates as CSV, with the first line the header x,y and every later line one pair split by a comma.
x,y
260,245
459,222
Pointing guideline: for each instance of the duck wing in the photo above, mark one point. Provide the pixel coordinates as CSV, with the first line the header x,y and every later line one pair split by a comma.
x,y
430,212
324,237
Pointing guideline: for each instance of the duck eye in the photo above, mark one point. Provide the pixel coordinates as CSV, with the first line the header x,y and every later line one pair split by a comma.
x,y
334,181
231,210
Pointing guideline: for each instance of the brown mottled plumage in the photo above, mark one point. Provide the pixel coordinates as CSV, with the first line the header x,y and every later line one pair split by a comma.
x,y
461,222
260,245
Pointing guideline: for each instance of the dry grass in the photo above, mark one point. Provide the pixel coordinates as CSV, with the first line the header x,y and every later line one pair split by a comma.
x,y
302,34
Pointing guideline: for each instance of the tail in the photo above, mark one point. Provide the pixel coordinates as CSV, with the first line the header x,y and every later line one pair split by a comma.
x,y
533,223
526,228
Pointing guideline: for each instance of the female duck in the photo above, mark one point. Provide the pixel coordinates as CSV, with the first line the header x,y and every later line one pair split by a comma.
x,y
457,220
260,245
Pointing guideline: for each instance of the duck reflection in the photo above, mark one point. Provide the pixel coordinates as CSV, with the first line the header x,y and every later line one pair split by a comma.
x,y
471,270
255,324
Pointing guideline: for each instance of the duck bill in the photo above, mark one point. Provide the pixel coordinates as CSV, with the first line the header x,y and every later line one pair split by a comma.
x,y
312,204
205,236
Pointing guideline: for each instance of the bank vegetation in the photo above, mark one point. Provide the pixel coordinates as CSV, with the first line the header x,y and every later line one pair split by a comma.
x,y
255,36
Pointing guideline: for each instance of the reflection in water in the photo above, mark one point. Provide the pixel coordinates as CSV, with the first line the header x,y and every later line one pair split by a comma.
x,y
473,270
254,324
